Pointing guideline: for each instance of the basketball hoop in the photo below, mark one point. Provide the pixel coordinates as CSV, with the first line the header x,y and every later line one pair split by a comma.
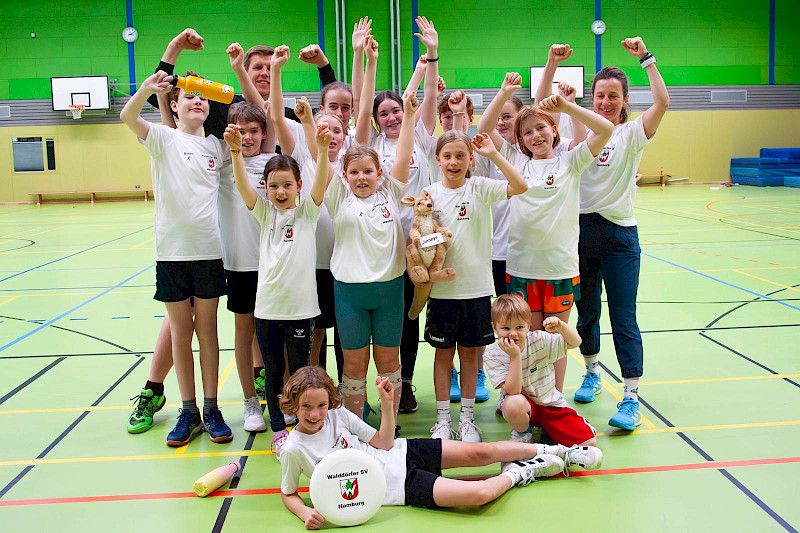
x,y
76,111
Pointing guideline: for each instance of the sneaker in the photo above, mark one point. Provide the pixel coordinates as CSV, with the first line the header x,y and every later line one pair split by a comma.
x,y
468,431
455,390
218,430
147,404
277,442
368,410
628,416
189,424
253,416
442,430
397,430
261,384
408,403
481,392
289,420
540,466
591,385
525,436
587,457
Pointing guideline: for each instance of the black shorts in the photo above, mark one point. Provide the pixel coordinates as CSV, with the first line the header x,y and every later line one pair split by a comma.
x,y
327,316
241,291
179,280
423,466
466,322
499,276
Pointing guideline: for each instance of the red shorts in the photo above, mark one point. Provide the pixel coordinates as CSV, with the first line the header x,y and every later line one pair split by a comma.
x,y
563,424
542,295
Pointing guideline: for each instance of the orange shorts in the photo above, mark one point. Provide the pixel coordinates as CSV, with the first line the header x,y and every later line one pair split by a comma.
x,y
550,296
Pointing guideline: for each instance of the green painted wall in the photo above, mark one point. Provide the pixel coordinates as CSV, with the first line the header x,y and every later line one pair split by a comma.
x,y
723,43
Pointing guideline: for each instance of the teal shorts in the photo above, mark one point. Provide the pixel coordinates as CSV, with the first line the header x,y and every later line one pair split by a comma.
x,y
369,310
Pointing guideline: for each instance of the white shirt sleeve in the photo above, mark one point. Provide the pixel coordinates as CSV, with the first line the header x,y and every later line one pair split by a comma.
x,y
157,138
291,468
335,194
579,158
356,425
496,364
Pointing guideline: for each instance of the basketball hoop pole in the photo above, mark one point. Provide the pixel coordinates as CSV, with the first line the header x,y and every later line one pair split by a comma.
x,y
76,111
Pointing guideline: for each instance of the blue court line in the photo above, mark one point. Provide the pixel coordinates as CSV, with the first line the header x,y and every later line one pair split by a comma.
x,y
62,315
657,247
76,253
598,50
723,282
72,288
119,317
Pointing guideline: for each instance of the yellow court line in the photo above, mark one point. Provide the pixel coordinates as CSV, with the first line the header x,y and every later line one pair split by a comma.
x,y
135,246
115,291
610,389
740,270
94,408
133,458
9,300
699,428
35,234
699,380
795,289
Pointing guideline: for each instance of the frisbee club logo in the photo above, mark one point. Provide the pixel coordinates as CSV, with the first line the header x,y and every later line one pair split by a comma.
x,y
385,212
462,212
349,488
550,179
289,232
604,155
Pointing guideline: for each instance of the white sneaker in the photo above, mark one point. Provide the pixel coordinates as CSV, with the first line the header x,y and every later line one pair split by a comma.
x,y
442,430
540,466
526,436
587,457
498,408
468,431
253,416
289,420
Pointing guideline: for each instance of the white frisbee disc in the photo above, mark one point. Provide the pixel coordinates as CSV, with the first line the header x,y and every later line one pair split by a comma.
x,y
347,487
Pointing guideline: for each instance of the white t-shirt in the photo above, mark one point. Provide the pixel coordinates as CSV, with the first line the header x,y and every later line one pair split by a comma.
x,y
185,170
466,212
240,231
543,232
608,186
418,173
369,244
565,126
287,279
542,349
342,429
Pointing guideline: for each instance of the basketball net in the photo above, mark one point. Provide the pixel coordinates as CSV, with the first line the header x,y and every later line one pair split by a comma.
x,y
76,111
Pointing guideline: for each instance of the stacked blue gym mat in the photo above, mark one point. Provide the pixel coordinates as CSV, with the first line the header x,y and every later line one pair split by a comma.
x,y
776,167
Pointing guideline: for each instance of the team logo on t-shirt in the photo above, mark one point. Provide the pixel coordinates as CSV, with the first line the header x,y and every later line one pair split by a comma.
x,y
385,212
288,233
550,179
341,442
604,155
349,488
462,211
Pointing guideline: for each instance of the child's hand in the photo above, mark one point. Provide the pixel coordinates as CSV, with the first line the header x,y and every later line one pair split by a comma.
x,y
155,83
324,137
422,63
553,324
236,55
188,39
384,388
302,109
567,91
313,55
440,87
280,57
457,102
635,46
427,34
482,144
371,48
267,107
553,104
360,31
312,519
512,82
410,104
233,136
559,53
509,346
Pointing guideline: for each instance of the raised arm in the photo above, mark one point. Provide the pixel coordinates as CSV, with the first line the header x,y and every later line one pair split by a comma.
x,y
458,106
164,109
188,39
405,144
557,54
303,111
652,117
428,36
484,146
249,91
364,120
285,139
233,137
601,128
553,324
131,113
511,83
568,92
323,173
361,29
384,439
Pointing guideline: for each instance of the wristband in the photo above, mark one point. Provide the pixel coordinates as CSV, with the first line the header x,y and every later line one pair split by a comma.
x,y
645,57
236,152
434,60
459,113
649,61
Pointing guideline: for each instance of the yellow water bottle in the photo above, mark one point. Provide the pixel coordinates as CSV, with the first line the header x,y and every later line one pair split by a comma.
x,y
210,90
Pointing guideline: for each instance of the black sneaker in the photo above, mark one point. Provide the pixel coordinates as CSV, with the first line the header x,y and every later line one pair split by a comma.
x,y
408,403
218,430
189,425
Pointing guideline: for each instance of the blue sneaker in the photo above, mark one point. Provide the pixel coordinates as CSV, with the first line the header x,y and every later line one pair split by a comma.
x,y
628,416
189,425
591,385
218,430
455,390
481,392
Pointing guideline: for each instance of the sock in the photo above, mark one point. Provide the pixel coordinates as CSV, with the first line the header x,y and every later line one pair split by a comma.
x,y
555,449
157,388
631,388
209,404
467,408
191,405
407,381
514,475
443,411
592,363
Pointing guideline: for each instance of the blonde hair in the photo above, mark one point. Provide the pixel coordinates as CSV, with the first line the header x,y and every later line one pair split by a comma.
x,y
510,306
360,151
308,377
320,114
532,111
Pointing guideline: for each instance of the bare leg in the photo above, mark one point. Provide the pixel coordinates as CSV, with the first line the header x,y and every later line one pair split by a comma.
x,y
442,363
161,363
205,325
387,361
181,331
457,454
517,412
355,368
457,492
317,345
256,351
468,362
243,350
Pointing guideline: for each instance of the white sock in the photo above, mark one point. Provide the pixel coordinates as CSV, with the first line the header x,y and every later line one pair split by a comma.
x,y
592,363
514,475
443,411
631,388
467,408
555,449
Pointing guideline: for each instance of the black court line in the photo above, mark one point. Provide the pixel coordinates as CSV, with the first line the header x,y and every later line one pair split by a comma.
x,y
754,300
29,243
226,503
755,499
765,367
125,350
72,426
31,379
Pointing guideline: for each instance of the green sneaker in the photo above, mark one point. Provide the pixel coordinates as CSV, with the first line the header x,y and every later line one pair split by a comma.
x,y
261,384
147,404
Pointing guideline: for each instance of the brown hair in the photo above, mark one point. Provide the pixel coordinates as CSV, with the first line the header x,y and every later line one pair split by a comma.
x,y
282,162
516,101
444,105
613,72
509,306
322,113
308,377
257,50
174,92
379,98
359,151
332,87
532,111
247,112
455,136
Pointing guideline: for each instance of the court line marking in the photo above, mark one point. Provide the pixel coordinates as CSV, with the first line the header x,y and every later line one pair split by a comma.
x,y
4,302
700,428
768,281
711,465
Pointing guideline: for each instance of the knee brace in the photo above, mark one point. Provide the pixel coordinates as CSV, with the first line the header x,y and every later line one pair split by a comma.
x,y
352,387
395,378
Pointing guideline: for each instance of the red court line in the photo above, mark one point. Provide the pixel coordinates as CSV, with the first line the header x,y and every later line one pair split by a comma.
x,y
257,492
